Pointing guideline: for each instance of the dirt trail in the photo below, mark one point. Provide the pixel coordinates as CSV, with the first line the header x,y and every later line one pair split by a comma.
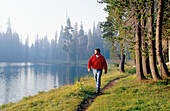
x,y
86,104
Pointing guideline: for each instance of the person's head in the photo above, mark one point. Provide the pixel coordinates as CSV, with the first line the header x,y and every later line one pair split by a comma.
x,y
97,51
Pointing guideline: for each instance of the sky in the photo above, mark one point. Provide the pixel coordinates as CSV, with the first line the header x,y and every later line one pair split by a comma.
x,y
45,17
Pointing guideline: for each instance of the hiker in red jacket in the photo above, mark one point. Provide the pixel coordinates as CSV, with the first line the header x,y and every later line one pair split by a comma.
x,y
97,62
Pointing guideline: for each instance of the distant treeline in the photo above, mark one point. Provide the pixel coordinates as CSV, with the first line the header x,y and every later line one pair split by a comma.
x,y
71,45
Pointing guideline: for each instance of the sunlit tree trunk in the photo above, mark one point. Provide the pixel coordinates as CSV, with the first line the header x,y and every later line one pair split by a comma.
x,y
139,70
152,53
163,67
169,50
165,48
145,57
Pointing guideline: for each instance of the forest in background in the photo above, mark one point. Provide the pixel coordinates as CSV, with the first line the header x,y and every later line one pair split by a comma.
x,y
71,45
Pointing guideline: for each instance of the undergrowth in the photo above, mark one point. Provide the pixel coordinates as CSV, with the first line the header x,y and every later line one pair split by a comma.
x,y
66,98
131,95
127,95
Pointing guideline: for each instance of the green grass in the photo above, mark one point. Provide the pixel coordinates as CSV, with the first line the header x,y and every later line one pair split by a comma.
x,y
130,95
127,95
66,98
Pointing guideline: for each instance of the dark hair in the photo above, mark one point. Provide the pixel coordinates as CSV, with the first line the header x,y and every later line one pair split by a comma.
x,y
98,50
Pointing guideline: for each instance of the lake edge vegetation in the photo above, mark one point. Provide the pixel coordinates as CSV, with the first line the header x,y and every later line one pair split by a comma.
x,y
70,97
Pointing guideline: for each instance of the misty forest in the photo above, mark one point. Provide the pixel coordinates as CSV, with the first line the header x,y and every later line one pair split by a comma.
x,y
71,45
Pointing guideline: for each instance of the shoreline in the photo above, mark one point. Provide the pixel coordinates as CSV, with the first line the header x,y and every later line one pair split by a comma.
x,y
71,97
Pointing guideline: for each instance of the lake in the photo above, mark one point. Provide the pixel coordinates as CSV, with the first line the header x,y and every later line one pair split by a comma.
x,y
18,80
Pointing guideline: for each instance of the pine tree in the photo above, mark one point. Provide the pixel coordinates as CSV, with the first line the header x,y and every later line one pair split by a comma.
x,y
75,44
82,43
139,69
160,58
90,44
115,29
27,49
152,53
61,54
145,56
67,38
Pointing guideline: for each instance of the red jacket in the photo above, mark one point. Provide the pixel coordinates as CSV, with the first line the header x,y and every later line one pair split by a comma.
x,y
97,63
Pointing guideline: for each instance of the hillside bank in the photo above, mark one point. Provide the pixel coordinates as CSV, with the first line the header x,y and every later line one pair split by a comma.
x,y
128,94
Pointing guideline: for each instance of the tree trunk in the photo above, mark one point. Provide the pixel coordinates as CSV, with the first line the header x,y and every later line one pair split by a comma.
x,y
122,62
163,67
119,58
145,65
169,49
165,49
139,70
152,53
145,57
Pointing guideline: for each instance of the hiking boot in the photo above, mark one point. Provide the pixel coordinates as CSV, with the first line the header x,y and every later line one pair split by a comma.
x,y
98,91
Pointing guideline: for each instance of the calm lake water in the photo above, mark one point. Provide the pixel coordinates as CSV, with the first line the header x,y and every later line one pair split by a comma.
x,y
18,80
